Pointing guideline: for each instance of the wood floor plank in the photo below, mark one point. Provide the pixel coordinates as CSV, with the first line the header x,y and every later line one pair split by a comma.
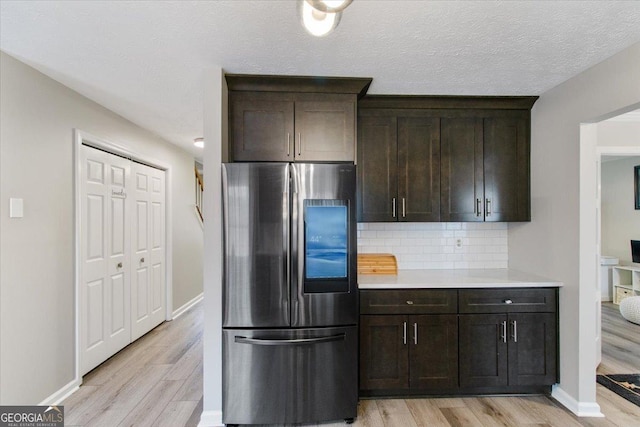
x,y
175,414
133,356
100,400
368,414
150,408
461,417
395,413
514,408
192,388
194,419
544,408
426,413
449,402
489,413
184,367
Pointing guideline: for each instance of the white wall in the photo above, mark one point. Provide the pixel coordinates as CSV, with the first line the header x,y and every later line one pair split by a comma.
x,y
437,245
620,219
215,139
37,117
554,244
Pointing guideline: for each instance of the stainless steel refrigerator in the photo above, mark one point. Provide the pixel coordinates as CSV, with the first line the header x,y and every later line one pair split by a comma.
x,y
290,302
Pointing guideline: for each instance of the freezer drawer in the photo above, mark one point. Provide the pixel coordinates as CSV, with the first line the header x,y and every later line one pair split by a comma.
x,y
289,375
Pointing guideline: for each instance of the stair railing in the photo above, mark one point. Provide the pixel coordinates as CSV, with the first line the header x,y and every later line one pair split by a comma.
x,y
199,193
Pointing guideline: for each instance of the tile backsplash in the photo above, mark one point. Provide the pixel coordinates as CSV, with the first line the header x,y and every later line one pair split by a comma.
x,y
438,245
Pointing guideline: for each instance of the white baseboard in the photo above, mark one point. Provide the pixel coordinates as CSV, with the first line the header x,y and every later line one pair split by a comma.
x,y
581,409
60,395
187,306
211,419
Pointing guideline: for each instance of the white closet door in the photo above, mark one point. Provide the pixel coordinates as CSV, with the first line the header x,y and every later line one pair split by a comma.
x,y
148,251
105,322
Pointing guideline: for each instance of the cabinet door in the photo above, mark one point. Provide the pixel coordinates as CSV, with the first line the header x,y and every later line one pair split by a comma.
x,y
483,350
262,127
433,352
461,170
377,168
532,349
325,128
384,361
506,170
418,169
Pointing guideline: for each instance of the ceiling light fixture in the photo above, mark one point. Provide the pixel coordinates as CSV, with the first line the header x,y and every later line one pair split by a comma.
x,y
320,17
330,6
199,142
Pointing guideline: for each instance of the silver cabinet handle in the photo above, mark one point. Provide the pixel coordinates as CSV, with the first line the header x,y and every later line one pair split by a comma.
x,y
488,208
393,207
478,207
504,331
404,333
119,265
403,207
288,144
508,301
299,144
410,302
415,334
515,330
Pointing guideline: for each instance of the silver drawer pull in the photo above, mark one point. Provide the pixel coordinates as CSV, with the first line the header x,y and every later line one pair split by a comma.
x,y
410,302
504,331
404,333
508,301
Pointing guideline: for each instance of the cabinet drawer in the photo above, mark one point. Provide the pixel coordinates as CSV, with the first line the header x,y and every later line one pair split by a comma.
x,y
507,300
408,301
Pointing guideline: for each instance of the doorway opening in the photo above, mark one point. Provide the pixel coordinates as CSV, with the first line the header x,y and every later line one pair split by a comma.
x,y
613,145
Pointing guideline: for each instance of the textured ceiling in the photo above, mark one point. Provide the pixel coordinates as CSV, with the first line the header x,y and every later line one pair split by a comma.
x,y
145,60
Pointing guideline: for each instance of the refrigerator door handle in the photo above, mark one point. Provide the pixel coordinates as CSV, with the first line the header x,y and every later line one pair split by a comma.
x,y
294,262
286,242
296,341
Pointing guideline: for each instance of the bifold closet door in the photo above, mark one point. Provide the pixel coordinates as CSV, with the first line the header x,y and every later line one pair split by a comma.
x,y
104,293
148,249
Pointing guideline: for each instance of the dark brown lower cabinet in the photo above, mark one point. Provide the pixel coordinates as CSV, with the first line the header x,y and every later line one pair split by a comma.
x,y
458,341
408,352
516,349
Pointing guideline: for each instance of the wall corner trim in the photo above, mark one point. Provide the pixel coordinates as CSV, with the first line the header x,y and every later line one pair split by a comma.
x,y
59,396
211,419
185,307
581,409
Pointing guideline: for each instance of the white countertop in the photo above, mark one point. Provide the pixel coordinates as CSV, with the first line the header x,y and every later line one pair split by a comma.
x,y
430,279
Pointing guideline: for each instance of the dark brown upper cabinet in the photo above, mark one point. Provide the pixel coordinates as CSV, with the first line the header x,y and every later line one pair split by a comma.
x,y
398,167
485,168
278,118
475,167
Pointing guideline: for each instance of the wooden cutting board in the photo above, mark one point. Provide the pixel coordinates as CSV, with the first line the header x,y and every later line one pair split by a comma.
x,y
377,264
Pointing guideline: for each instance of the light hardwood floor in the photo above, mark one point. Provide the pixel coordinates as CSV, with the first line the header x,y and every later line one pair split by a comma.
x,y
157,381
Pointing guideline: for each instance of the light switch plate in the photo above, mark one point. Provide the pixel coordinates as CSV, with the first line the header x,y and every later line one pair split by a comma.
x,y
16,208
